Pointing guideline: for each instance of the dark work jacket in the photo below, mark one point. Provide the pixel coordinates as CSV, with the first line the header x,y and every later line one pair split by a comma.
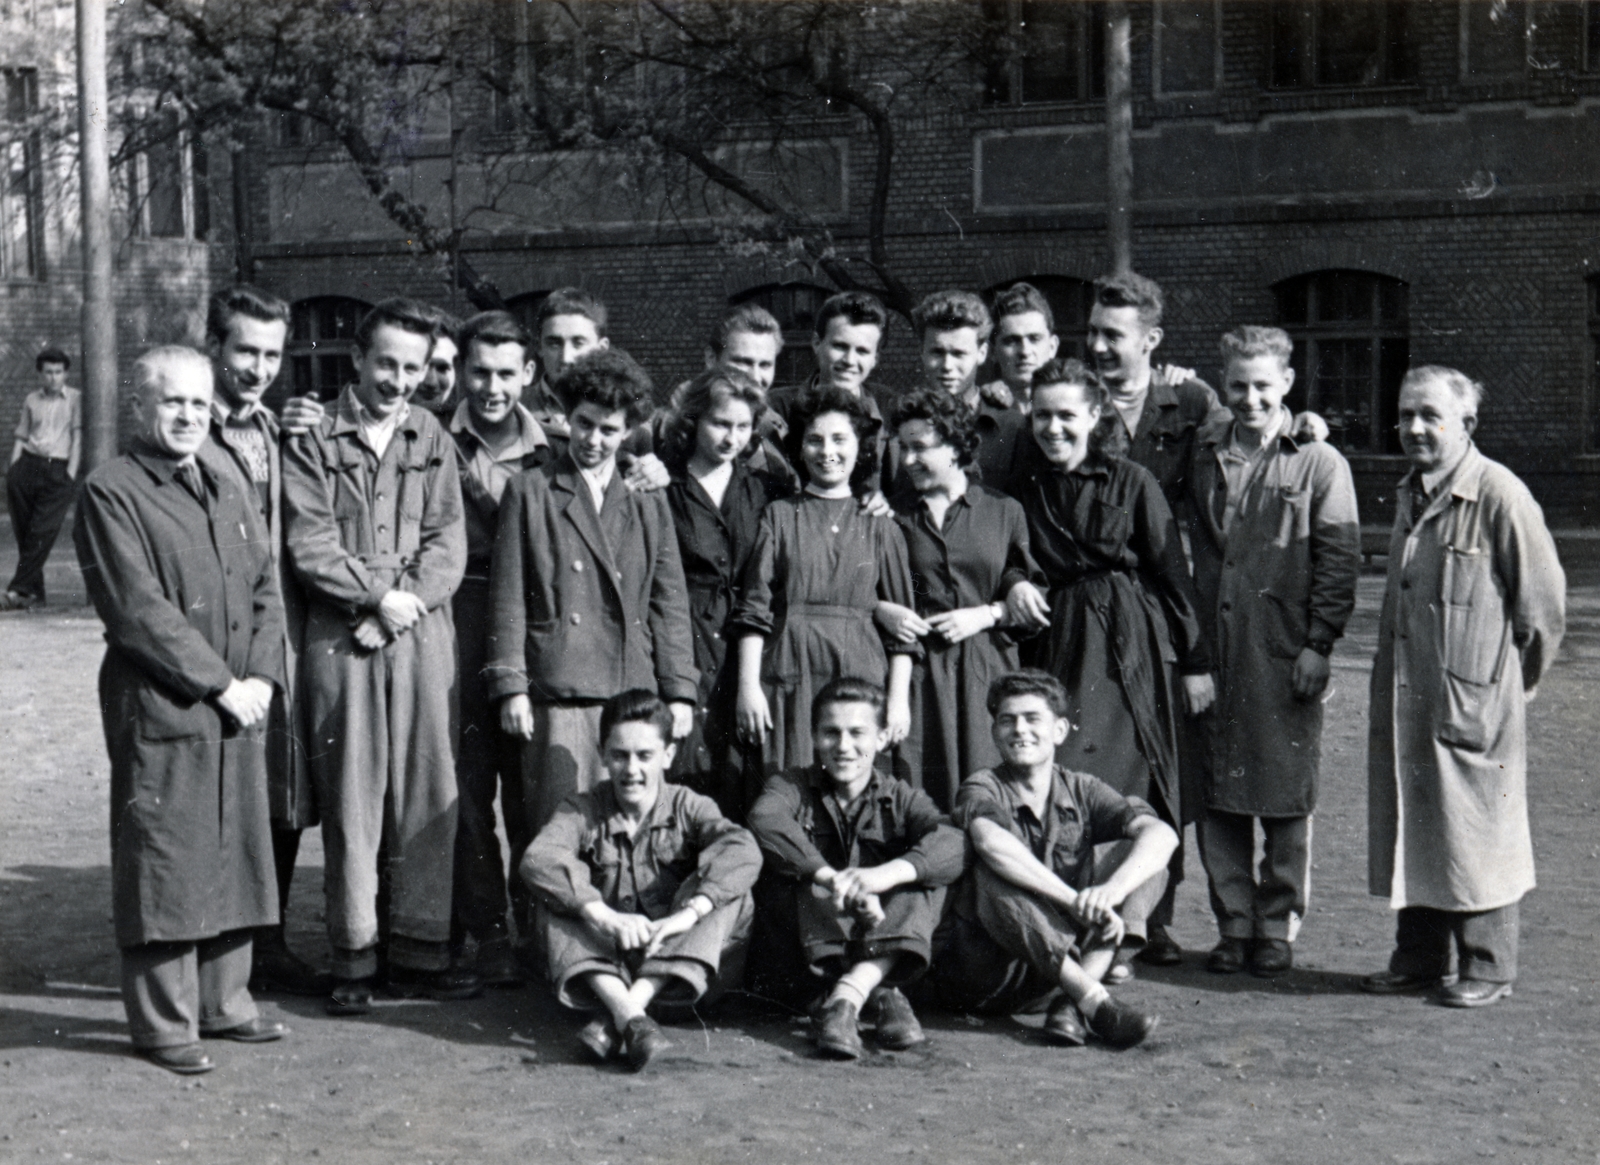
x,y
1164,440
190,603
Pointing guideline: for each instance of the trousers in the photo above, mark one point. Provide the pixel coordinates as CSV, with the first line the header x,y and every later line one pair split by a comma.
x,y
1485,942
39,491
1248,905
562,758
173,991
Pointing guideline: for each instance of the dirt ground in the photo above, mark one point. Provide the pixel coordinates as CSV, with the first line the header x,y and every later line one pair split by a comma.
x,y
1303,1069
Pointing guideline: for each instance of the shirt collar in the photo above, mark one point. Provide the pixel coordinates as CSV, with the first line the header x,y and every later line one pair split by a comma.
x,y
160,464
530,433
352,416
618,823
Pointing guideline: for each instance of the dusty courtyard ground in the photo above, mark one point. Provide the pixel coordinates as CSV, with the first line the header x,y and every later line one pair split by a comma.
x,y
1305,1069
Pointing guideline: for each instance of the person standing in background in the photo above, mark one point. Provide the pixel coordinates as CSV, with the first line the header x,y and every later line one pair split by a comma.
x,y
44,466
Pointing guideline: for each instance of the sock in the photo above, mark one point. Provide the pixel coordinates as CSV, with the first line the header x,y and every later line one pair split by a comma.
x,y
844,989
1091,1002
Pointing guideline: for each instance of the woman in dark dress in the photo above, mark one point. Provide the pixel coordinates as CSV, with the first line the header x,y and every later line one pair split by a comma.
x,y
963,540
716,502
1118,610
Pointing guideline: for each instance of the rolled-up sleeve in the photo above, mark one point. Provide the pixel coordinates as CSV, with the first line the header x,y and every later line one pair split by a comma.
x,y
553,866
729,858
775,821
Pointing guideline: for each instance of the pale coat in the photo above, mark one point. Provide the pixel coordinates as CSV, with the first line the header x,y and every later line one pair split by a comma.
x,y
1472,617
1283,574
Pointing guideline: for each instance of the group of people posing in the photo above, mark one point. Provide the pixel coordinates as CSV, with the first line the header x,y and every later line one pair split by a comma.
x,y
862,698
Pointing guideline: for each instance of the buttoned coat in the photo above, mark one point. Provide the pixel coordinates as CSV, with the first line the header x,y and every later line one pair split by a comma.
x,y
1473,614
1163,440
1283,574
190,603
581,614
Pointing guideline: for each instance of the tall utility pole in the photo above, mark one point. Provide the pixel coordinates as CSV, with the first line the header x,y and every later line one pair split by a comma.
x,y
1119,135
99,324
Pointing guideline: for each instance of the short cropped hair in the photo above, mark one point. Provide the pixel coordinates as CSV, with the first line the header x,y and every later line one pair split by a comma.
x,y
1467,390
409,315
1126,289
812,404
448,326
569,301
945,311
857,307
1028,681
493,328
636,704
1252,340
51,355
610,379
697,397
746,317
1019,299
1070,370
946,415
243,300
849,690
159,365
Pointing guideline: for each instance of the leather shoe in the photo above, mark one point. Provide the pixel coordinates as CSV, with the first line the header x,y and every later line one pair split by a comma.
x,y
276,970
184,1059
1227,957
1272,957
599,1037
1063,1024
837,1035
447,985
1473,993
642,1042
1398,983
350,997
1120,1025
1161,949
251,1031
897,1025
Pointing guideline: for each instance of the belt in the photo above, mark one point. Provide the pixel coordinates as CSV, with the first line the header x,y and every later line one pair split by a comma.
x,y
42,457
832,610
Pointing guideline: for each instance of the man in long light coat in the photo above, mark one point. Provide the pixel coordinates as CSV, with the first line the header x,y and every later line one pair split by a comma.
x,y
1472,618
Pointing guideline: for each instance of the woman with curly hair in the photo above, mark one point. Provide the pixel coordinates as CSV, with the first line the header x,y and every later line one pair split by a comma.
x,y
963,540
716,501
820,568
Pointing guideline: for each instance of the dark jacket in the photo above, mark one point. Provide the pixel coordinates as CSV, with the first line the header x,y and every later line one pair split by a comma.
x,y
1163,441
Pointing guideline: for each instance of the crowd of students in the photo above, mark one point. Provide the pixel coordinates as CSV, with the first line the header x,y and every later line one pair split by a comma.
x,y
855,697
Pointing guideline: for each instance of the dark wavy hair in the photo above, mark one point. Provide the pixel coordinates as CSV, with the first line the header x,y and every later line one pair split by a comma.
x,y
848,690
950,418
697,397
636,704
409,315
1070,370
243,300
1029,681
814,403
611,379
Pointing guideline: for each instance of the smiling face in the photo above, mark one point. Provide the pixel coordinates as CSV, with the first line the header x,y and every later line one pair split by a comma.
x,y
951,359
597,434
846,740
930,461
724,430
1027,732
1120,345
562,339
440,380
1063,417
753,353
496,376
829,450
174,414
636,759
1255,387
1435,425
847,353
1024,343
247,362
390,370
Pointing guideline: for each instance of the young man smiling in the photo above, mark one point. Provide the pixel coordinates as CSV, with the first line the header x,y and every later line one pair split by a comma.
x,y
1025,341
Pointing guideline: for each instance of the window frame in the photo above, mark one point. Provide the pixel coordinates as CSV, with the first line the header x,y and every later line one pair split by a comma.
x,y
300,347
1309,44
31,266
1090,17
192,185
1157,87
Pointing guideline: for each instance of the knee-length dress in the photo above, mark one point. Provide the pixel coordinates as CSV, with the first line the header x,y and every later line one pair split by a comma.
x,y
1122,617
819,569
961,563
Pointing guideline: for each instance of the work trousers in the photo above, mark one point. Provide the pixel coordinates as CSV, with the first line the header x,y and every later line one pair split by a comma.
x,y
1271,904
173,991
487,765
381,757
39,491
1485,942
562,758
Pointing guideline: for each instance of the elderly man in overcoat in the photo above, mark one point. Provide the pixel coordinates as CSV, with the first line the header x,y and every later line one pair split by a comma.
x,y
1472,617
180,571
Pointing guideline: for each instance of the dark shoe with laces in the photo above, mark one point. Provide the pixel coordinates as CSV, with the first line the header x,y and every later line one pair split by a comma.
x,y
897,1025
184,1059
1228,957
1400,983
1473,993
350,997
1063,1024
642,1042
450,984
1121,1025
1272,957
838,1036
1161,949
251,1031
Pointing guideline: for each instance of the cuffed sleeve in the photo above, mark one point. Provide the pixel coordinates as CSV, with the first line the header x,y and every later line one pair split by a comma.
x,y
775,821
553,866
505,669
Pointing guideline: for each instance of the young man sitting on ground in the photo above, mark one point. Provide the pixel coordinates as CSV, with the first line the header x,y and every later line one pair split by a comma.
x,y
858,863
643,888
1067,870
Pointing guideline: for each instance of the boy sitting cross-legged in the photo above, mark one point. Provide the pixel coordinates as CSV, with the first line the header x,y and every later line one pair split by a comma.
x,y
643,888
1067,869
858,864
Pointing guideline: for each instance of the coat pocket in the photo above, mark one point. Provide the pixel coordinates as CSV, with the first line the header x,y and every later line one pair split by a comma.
x,y
1465,718
1108,526
1294,516
1286,626
161,717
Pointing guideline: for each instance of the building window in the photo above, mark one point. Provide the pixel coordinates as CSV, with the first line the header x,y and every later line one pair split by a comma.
x,y
21,208
1591,36
1352,346
1057,51
1188,54
321,348
297,131
1343,42
795,306
167,183
1070,300
1506,38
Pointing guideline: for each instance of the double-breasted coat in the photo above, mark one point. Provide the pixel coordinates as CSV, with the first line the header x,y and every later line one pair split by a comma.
x,y
190,603
1473,613
1283,573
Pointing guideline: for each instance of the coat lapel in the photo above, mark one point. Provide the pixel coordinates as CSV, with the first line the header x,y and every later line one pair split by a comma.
x,y
580,511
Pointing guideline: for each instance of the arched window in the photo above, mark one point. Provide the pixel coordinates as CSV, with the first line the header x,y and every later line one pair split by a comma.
x,y
795,307
1070,300
322,335
526,308
1352,343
